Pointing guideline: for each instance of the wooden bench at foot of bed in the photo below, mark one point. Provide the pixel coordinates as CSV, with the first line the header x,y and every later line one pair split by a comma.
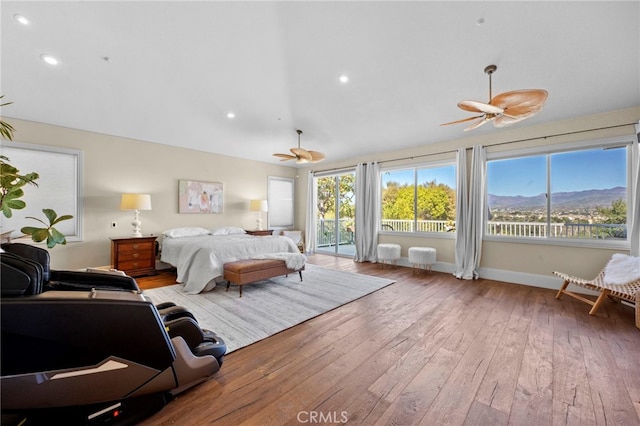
x,y
248,271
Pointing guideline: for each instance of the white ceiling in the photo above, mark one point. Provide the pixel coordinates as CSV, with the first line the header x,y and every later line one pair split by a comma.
x,y
176,68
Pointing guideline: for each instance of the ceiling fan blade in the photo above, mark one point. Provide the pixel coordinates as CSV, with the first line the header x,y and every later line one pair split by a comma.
x,y
285,157
301,153
475,106
506,120
463,120
479,123
316,156
528,101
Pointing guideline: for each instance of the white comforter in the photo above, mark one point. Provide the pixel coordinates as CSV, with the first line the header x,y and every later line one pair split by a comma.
x,y
199,260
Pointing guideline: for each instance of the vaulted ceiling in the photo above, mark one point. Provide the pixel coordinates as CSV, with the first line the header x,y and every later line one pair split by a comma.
x,y
170,72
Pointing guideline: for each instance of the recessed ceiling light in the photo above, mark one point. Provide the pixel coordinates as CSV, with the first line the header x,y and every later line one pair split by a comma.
x,y
49,59
23,20
343,79
231,114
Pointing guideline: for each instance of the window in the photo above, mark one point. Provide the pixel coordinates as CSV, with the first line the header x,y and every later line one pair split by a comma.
x,y
281,202
59,187
574,194
419,199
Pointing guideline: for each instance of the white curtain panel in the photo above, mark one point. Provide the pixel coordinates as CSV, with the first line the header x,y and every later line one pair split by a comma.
x,y
472,216
461,211
477,209
634,201
310,220
367,211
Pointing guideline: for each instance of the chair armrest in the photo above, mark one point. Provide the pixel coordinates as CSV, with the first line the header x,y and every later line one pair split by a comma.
x,y
76,280
186,328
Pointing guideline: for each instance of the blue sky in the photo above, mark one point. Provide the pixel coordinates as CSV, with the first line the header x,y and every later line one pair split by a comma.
x,y
572,171
445,174
526,176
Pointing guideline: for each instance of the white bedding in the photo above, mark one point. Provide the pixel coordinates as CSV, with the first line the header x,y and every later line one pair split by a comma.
x,y
199,260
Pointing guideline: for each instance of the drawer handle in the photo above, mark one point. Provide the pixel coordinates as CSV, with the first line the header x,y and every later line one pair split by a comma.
x,y
136,254
135,246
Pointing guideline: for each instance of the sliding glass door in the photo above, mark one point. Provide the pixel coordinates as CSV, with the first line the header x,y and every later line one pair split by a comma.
x,y
335,222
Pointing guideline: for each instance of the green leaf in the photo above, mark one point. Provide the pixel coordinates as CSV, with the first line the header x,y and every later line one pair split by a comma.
x,y
61,218
58,236
50,214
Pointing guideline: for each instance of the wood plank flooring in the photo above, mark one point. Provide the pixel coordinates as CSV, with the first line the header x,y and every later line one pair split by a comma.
x,y
429,350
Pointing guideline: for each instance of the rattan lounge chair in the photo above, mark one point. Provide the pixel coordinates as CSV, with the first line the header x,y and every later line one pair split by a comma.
x,y
629,291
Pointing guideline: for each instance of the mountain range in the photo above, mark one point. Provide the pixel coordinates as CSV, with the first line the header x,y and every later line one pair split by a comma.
x,y
560,200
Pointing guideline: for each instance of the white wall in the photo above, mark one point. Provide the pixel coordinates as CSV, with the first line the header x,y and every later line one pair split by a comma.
x,y
113,165
514,262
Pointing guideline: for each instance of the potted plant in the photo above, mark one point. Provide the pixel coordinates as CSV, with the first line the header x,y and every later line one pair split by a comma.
x,y
11,192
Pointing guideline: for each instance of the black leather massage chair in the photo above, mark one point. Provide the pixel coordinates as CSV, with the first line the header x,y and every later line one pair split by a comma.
x,y
89,348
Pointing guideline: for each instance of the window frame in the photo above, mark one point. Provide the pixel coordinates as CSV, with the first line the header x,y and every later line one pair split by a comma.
x,y
415,168
74,192
548,150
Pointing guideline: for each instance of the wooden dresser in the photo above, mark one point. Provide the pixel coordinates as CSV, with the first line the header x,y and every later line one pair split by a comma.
x,y
135,256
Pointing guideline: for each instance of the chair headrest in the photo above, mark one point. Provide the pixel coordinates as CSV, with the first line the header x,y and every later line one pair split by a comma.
x,y
20,276
36,254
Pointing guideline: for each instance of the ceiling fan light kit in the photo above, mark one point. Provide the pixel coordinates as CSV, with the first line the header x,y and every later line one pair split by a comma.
x,y
504,109
301,155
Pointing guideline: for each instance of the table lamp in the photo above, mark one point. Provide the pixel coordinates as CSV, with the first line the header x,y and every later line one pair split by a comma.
x,y
136,202
259,206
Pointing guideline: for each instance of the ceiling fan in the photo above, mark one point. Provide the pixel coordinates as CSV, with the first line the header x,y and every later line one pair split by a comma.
x,y
301,155
504,109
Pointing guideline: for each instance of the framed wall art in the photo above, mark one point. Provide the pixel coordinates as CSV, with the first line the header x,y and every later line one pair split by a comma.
x,y
199,197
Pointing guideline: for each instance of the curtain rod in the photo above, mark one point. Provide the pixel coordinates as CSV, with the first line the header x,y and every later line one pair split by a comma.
x,y
495,144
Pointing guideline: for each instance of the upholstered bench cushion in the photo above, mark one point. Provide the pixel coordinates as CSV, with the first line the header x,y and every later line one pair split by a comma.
x,y
248,271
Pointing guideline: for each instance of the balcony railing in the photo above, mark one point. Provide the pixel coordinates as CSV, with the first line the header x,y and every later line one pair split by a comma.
x,y
326,229
558,230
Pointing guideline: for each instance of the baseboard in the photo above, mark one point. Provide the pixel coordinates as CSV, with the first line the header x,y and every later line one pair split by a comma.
x,y
550,282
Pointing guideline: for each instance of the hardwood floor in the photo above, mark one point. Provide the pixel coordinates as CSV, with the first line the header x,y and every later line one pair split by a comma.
x,y
433,350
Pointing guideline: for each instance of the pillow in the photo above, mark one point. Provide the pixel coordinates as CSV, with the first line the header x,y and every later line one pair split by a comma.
x,y
227,230
296,236
189,231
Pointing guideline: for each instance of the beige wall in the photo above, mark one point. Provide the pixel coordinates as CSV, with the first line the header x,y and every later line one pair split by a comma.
x,y
524,263
113,165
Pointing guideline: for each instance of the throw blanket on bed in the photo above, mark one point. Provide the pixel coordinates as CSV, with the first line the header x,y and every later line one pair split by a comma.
x,y
622,269
294,261
200,260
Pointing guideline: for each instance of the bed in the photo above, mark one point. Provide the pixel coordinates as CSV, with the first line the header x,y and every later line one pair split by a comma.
x,y
199,255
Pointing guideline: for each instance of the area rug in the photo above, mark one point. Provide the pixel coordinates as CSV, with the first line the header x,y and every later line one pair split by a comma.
x,y
269,306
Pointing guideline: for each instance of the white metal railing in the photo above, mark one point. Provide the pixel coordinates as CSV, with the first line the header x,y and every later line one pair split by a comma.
x,y
326,229
402,225
558,230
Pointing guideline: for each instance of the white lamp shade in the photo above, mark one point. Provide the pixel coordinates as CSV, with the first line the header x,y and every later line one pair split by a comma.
x,y
258,206
135,202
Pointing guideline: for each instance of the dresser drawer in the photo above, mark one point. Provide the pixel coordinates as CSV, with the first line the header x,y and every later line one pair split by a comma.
x,y
136,247
135,256
135,265
124,256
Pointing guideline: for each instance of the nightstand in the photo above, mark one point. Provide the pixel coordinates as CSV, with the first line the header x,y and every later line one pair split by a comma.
x,y
260,233
135,256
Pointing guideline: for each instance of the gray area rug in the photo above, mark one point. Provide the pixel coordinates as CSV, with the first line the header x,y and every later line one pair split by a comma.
x,y
269,306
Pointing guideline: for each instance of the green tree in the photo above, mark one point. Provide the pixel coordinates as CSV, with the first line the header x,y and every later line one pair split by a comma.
x,y
616,214
435,201
326,203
